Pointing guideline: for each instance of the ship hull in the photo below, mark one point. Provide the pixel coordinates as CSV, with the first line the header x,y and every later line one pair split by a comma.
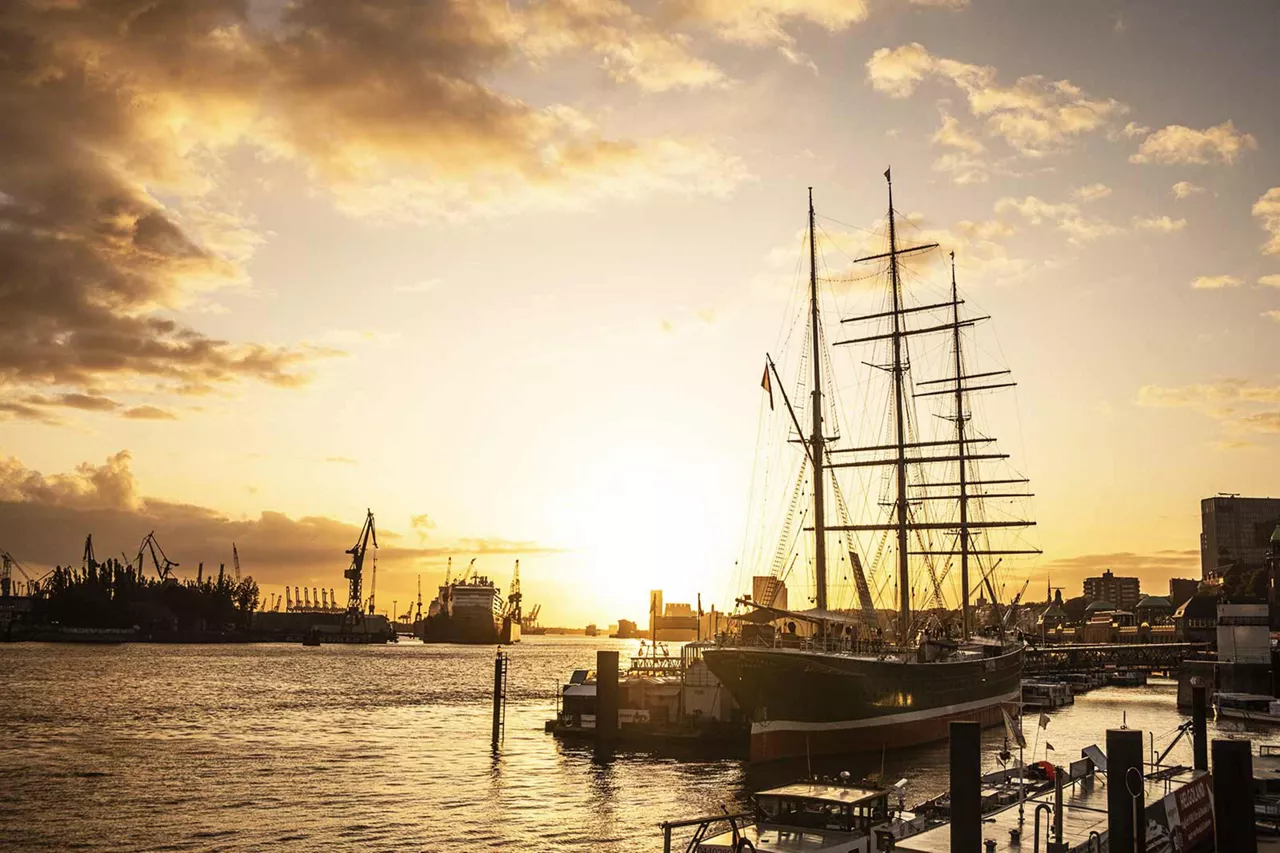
x,y
814,703
482,630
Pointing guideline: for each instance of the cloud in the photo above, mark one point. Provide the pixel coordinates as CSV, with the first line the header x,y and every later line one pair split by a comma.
x,y
1177,144
1092,192
421,524
150,413
1274,315
43,520
1267,211
952,135
1080,229
1215,282
763,23
1270,280
120,119
1035,210
1186,189
90,253
340,460
1159,223
1154,569
1234,402
631,47
1034,115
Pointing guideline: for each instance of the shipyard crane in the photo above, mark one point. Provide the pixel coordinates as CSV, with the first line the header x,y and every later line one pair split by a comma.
x,y
419,618
1013,605
355,574
164,566
90,563
235,561
531,621
513,596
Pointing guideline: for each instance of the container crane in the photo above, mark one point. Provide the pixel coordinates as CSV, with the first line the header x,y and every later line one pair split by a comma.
x,y
355,574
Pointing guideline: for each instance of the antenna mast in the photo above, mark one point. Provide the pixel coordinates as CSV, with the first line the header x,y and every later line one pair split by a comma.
x,y
815,438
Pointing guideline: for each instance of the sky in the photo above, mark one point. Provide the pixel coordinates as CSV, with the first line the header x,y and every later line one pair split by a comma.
x,y
506,274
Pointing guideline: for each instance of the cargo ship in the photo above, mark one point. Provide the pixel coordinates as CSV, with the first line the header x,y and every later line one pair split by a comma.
x,y
865,678
471,610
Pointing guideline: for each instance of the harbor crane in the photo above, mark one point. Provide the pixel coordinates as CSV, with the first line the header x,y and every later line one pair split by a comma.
x,y
419,618
235,561
90,563
164,566
355,574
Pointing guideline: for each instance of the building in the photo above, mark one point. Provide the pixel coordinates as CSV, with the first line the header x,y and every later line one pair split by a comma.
x,y
672,622
1181,590
1235,532
1154,610
1123,593
769,591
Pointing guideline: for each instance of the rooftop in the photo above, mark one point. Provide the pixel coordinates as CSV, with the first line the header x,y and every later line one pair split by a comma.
x,y
831,793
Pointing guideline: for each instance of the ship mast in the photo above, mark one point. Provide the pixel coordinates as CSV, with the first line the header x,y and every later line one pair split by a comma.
x,y
901,508
901,523
961,462
815,438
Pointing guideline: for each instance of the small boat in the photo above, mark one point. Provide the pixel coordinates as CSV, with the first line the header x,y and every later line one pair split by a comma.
x,y
1251,707
661,696
819,816
1044,694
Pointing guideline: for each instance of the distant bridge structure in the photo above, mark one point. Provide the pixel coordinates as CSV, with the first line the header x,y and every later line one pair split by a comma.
x,y
1152,657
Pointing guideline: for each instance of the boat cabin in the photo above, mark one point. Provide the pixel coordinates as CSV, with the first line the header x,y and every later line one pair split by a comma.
x,y
818,806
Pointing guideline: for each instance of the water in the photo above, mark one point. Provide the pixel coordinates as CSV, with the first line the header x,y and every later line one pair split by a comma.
x,y
246,748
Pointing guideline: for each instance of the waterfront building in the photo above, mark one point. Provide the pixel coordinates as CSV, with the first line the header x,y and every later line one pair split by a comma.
x,y
1123,593
1196,621
1235,532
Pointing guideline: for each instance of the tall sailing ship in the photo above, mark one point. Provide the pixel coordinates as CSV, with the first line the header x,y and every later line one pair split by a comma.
x,y
862,678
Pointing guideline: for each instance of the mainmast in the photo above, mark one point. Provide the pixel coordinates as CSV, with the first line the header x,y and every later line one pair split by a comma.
x,y
815,437
901,508
961,461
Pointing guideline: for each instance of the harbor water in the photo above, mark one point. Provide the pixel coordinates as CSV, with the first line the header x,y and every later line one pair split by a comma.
x,y
255,747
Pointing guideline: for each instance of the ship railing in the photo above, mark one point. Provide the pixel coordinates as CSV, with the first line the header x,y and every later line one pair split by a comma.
x,y
703,827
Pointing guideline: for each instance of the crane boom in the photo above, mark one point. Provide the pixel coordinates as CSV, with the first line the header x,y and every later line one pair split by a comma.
x,y
355,574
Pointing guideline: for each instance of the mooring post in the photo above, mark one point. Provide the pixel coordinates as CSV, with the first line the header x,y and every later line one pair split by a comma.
x,y
966,787
1233,818
499,695
606,695
1124,776
1199,735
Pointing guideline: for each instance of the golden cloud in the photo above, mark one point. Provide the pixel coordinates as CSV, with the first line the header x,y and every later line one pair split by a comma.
x,y
1267,211
1034,115
1177,144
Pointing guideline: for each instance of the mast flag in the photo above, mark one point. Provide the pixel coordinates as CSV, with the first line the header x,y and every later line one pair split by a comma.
x,y
767,385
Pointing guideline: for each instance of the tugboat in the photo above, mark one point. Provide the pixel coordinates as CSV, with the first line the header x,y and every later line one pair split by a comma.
x,y
471,610
834,681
